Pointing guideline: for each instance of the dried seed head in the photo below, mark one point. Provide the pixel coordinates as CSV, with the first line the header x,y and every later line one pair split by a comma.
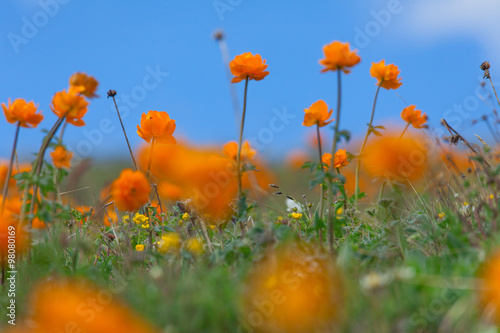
x,y
111,93
219,35
275,186
485,65
279,193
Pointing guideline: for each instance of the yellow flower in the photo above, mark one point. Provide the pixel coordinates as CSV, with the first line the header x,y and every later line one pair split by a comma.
x,y
185,217
492,196
212,226
145,225
169,242
339,212
296,215
441,215
140,218
194,245
465,203
126,218
139,247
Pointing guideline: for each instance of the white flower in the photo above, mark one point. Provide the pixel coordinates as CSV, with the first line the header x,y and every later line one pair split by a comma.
x,y
291,204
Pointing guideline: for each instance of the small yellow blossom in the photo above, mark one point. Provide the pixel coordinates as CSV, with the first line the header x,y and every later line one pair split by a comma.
x,y
339,212
492,196
126,218
296,215
169,242
186,217
194,245
212,226
465,203
140,219
441,215
139,247
145,225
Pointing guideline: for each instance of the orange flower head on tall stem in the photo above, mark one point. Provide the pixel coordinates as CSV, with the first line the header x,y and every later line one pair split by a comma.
x,y
231,150
71,105
61,158
88,83
22,112
387,75
339,159
414,117
130,190
157,125
317,114
248,65
338,56
489,295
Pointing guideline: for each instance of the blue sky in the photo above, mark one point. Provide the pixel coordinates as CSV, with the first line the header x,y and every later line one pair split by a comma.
x,y
438,47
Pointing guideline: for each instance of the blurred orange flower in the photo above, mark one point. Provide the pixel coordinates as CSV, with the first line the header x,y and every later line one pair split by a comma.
x,y
339,159
247,65
12,182
81,306
88,83
71,105
9,229
395,159
61,158
317,114
296,159
130,190
157,125
22,112
387,75
339,57
299,288
414,117
231,150
489,295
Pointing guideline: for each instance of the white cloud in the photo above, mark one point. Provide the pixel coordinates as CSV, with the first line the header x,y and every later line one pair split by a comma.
x,y
435,20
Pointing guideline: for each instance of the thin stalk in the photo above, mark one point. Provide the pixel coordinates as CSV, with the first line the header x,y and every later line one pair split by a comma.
x,y
331,229
150,158
321,198
494,90
123,129
404,131
358,163
36,170
240,142
9,170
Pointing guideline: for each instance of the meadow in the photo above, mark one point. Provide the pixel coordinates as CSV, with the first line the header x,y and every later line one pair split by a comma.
x,y
392,231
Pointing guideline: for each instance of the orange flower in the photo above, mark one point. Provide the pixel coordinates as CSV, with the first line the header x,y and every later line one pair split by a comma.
x,y
339,159
247,65
61,158
317,114
338,56
70,105
88,83
414,117
22,112
130,190
231,150
387,75
490,288
302,286
157,125
82,306
296,159
9,228
395,159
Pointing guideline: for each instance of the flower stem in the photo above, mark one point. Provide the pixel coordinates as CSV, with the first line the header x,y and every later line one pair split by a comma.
x,y
494,90
331,227
358,163
321,198
150,158
125,133
37,169
240,142
9,170
404,131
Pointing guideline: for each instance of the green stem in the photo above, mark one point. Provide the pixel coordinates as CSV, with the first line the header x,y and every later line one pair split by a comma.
x,y
9,170
358,163
322,194
150,158
404,131
331,221
240,142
